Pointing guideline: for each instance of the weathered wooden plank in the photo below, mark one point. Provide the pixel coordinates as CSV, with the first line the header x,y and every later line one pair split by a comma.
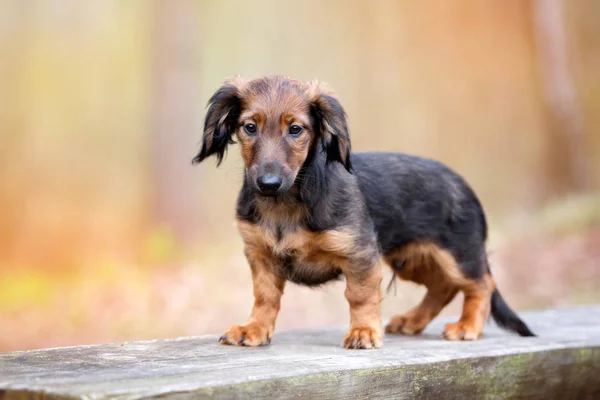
x,y
563,362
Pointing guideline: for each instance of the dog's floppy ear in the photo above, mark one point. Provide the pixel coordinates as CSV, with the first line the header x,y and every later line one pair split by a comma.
x,y
221,120
331,124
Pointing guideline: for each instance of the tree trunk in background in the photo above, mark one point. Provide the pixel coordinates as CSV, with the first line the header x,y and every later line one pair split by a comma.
x,y
175,122
568,162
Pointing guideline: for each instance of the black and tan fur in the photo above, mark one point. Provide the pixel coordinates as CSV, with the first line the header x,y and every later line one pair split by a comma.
x,y
310,211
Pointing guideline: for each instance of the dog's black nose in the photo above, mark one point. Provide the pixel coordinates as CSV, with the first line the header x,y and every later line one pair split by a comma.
x,y
269,183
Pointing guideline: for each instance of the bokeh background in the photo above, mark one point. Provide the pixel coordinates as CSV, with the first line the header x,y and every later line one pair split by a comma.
x,y
107,233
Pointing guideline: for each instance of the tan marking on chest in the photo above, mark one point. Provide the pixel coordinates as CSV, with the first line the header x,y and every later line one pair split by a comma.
x,y
299,242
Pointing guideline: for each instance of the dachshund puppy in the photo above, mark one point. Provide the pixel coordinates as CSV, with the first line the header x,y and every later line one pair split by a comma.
x,y
310,211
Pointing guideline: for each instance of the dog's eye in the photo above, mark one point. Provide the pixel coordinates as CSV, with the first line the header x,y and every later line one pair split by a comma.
x,y
296,130
250,129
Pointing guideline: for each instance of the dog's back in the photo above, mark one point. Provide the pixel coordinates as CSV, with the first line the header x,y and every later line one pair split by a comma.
x,y
412,199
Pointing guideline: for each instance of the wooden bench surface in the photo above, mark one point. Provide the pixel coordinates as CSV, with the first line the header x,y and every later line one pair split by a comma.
x,y
562,362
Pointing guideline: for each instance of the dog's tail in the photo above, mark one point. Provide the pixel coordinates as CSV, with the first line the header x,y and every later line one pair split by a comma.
x,y
506,318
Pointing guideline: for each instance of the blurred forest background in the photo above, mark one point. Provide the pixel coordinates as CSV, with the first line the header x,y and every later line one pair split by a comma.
x,y
107,233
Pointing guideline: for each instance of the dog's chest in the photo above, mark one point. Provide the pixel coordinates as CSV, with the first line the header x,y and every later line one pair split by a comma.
x,y
290,242
299,255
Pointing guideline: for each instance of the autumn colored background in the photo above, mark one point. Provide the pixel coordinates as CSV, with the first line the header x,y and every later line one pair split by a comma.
x,y
107,233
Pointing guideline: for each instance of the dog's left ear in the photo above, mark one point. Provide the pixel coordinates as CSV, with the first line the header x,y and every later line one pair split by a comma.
x,y
221,120
331,125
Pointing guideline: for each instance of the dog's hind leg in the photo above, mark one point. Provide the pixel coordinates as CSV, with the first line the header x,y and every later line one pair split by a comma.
x,y
426,264
476,310
416,319
435,267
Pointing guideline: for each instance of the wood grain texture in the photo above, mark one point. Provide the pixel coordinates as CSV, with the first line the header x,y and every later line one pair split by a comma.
x,y
562,362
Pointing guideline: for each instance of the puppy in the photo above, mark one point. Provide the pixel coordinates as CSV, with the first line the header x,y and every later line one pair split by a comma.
x,y
310,211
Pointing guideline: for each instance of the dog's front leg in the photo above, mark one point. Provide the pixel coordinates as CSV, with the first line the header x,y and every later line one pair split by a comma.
x,y
364,296
268,288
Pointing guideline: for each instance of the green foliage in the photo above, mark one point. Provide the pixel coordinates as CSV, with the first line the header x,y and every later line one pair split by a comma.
x,y
160,246
24,288
571,214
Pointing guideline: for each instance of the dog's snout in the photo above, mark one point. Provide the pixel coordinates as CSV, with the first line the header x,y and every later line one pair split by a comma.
x,y
269,183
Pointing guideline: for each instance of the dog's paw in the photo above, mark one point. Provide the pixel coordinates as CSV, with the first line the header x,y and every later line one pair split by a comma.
x,y
362,338
253,334
462,331
405,325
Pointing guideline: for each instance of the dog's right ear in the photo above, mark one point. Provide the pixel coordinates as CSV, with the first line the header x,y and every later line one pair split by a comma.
x,y
221,121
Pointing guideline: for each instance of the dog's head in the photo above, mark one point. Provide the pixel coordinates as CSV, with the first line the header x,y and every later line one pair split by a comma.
x,y
279,122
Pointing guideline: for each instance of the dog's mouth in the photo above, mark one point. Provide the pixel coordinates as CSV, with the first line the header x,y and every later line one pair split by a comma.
x,y
268,193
